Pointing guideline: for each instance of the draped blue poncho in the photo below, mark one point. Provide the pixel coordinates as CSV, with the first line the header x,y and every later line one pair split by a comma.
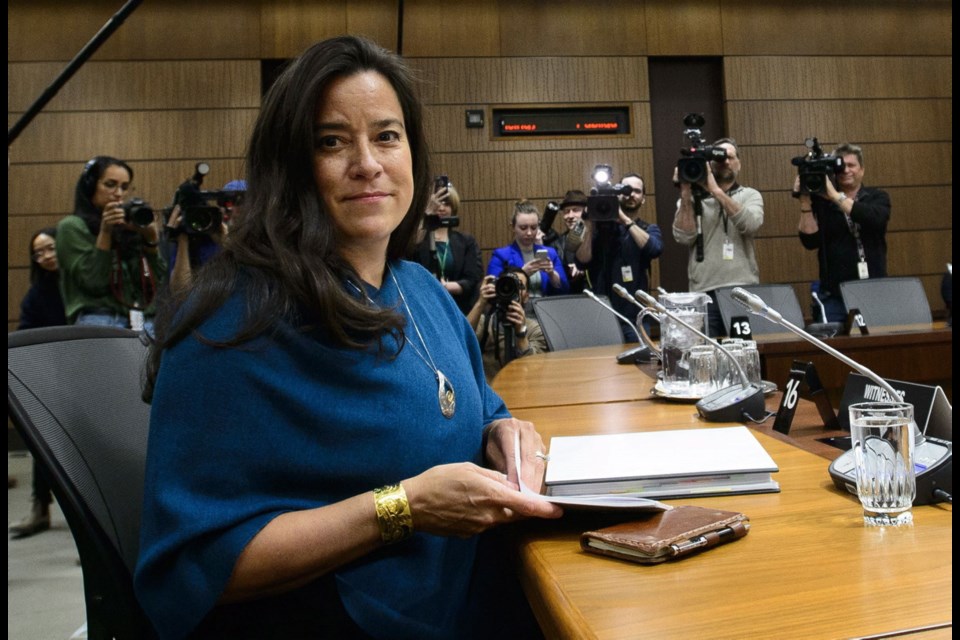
x,y
239,436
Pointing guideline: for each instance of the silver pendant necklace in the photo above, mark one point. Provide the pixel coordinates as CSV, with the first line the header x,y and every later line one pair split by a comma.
x,y
445,394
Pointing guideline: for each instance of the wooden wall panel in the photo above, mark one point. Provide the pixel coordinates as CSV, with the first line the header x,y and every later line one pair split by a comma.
x,y
775,122
153,85
824,27
822,78
131,135
438,28
533,80
173,29
684,28
290,26
572,28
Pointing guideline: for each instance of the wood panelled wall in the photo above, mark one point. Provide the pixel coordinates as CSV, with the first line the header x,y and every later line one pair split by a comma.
x,y
180,82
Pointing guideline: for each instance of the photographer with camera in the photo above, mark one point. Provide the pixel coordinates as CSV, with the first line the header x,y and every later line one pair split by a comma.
x,y
197,229
847,225
721,236
110,266
622,249
451,256
566,244
499,311
542,265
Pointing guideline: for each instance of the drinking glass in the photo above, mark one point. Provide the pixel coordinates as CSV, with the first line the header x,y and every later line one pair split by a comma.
x,y
882,435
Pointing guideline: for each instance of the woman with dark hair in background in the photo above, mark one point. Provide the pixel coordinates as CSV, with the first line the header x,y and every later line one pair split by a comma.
x,y
453,257
307,366
41,307
110,265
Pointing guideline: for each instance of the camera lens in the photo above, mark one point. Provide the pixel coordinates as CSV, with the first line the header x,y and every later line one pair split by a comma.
x,y
691,170
138,212
202,219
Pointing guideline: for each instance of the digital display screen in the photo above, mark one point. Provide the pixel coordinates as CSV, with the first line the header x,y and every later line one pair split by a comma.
x,y
561,121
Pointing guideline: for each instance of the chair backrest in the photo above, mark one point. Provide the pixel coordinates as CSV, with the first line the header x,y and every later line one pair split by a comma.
x,y
73,394
570,322
779,297
887,301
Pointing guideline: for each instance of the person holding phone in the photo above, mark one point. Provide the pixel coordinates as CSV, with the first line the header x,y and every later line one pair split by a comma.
x,y
451,256
542,265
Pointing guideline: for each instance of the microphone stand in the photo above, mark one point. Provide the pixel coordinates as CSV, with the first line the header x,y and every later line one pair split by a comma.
x,y
636,355
934,481
728,404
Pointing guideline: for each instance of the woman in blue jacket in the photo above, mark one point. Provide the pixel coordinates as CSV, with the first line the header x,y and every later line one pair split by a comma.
x,y
545,274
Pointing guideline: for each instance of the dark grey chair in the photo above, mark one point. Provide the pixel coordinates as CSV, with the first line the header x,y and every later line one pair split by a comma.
x,y
73,394
887,301
779,297
571,322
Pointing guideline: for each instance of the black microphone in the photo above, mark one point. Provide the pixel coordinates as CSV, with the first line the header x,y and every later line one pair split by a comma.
x,y
630,356
728,404
936,454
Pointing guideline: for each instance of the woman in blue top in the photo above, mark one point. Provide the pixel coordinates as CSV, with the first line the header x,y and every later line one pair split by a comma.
x,y
546,276
310,365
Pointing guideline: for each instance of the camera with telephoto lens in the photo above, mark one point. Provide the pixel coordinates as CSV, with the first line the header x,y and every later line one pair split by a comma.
x,y
137,212
506,288
201,212
692,167
603,203
815,168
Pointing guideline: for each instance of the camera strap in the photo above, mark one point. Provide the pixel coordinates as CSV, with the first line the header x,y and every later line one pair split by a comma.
x,y
855,231
148,282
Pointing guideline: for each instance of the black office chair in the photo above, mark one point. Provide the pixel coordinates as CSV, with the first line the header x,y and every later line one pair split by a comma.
x,y
570,322
884,302
779,297
73,394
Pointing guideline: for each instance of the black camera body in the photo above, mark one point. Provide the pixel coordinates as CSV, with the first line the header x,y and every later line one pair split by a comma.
x,y
507,288
434,222
603,203
137,212
201,212
815,168
692,167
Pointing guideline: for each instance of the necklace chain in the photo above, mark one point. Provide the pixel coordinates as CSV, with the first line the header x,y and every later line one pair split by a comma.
x,y
431,363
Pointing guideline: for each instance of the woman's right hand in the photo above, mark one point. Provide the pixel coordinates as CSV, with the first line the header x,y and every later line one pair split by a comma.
x,y
463,499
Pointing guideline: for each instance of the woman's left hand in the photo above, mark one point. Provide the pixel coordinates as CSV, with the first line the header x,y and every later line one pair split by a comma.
x,y
501,436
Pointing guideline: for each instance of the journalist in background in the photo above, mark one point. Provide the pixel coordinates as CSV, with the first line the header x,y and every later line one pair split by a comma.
x,y
847,225
325,457
731,218
622,251
499,312
566,244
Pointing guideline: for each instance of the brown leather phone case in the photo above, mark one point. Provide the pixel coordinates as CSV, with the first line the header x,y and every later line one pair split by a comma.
x,y
667,535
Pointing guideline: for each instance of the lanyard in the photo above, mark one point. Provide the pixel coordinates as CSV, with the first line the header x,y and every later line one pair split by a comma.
x,y
855,230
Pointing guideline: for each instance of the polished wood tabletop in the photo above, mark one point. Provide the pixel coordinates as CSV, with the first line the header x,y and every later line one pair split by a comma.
x,y
809,568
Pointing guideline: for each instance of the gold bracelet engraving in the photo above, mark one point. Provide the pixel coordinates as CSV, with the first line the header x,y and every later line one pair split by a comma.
x,y
393,513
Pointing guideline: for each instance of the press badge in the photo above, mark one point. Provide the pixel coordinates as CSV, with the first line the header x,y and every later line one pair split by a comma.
x,y
862,269
727,250
136,319
626,273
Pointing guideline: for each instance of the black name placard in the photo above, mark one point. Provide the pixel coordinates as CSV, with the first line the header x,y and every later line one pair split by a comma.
x,y
931,410
855,322
740,327
803,382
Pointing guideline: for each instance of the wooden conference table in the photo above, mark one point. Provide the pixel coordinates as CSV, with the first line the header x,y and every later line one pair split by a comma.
x,y
807,569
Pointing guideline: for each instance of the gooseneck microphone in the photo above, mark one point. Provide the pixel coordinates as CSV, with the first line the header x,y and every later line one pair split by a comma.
x,y
933,456
823,309
728,404
754,304
635,355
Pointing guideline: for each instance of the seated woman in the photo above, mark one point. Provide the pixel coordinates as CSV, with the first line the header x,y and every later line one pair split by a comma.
x,y
451,256
542,265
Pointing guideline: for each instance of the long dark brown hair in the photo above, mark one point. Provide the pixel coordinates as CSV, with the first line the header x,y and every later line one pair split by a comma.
x,y
282,241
